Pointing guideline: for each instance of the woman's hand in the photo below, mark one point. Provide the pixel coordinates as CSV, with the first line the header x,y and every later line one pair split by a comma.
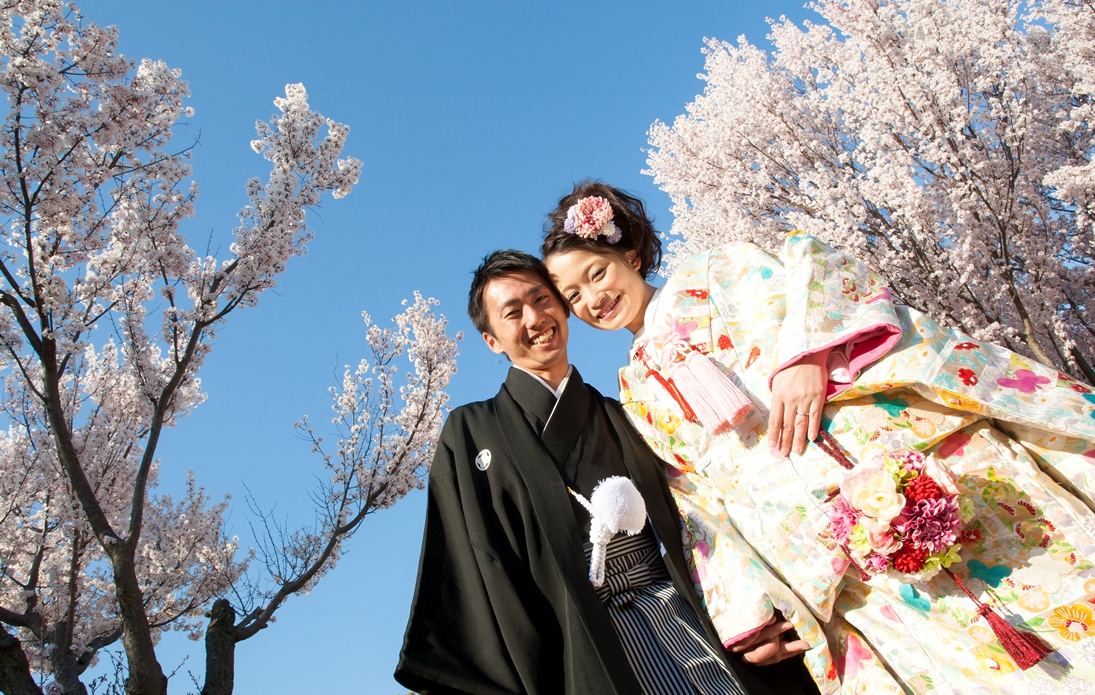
x,y
766,646
798,395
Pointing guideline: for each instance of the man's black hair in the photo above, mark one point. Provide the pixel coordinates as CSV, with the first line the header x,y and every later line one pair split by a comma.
x,y
499,264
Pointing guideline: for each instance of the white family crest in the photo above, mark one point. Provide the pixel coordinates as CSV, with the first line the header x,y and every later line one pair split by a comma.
x,y
482,461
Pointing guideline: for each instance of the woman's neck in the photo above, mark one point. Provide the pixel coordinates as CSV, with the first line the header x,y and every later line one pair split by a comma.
x,y
648,294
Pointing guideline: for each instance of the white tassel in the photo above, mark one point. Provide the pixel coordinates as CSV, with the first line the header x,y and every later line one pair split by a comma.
x,y
616,505
717,402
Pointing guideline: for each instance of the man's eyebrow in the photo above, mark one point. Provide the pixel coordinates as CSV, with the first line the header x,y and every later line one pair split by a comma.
x,y
504,306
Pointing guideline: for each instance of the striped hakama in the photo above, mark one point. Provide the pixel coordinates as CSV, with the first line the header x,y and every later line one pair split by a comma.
x,y
663,639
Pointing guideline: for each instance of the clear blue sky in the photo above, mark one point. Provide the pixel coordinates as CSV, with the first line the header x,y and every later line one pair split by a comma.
x,y
472,118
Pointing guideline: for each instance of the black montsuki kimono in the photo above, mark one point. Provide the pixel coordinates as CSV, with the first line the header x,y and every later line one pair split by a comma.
x,y
503,602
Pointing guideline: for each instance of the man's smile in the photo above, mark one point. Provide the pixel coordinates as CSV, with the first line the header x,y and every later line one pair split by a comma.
x,y
545,337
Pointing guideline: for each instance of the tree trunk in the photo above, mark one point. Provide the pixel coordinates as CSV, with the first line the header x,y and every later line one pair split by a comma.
x,y
1085,366
1030,336
220,650
145,675
66,667
15,677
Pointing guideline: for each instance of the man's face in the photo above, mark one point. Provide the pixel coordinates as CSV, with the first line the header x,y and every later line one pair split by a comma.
x,y
529,324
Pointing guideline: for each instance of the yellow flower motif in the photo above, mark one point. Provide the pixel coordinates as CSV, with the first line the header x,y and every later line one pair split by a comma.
x,y
994,662
871,451
956,401
1089,586
1074,622
668,422
639,408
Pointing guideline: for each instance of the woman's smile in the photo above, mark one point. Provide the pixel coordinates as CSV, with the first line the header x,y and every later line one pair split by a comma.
x,y
610,310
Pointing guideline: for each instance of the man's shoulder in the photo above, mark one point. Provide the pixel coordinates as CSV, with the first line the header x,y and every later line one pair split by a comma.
x,y
607,401
470,423
472,413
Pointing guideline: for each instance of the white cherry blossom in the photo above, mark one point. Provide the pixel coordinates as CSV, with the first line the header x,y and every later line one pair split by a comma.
x,y
106,316
946,144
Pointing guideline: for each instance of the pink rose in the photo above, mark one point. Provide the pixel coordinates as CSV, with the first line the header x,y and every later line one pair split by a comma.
x,y
880,537
941,474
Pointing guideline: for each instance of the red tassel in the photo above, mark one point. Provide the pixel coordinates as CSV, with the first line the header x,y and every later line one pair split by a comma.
x,y
1024,647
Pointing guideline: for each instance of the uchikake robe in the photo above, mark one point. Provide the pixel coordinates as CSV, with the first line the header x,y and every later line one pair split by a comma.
x,y
1019,436
503,602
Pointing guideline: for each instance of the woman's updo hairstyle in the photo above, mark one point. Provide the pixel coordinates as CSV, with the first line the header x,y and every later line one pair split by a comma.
x,y
628,214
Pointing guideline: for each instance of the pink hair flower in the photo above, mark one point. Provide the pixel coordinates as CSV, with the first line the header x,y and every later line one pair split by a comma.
x,y
590,218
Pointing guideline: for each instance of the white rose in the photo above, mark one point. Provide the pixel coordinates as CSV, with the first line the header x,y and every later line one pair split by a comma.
x,y
873,492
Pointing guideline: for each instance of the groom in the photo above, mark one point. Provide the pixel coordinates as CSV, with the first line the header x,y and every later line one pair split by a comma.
x,y
504,603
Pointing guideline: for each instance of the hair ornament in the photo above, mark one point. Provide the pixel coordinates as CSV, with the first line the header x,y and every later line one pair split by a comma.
x,y
590,218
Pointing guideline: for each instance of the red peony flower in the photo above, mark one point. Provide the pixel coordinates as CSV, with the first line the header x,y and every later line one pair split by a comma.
x,y
967,345
724,342
909,559
967,376
1079,388
923,488
698,294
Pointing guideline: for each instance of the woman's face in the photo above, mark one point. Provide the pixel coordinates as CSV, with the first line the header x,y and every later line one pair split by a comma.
x,y
603,289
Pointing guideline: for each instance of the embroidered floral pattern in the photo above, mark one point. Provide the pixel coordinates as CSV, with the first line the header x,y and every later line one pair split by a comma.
x,y
967,376
936,392
1074,622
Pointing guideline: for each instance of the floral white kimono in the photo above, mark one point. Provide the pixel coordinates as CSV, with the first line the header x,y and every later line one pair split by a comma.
x,y
1019,436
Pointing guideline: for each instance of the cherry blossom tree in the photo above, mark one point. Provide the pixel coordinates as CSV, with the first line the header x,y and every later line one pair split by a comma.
x,y
386,438
947,144
106,316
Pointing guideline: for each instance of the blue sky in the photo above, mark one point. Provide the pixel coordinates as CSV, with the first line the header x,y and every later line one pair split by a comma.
x,y
471,118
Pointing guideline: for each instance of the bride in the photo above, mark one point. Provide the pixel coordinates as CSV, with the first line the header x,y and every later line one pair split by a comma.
x,y
743,358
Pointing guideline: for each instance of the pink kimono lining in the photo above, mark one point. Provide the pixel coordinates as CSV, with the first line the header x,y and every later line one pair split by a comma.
x,y
859,349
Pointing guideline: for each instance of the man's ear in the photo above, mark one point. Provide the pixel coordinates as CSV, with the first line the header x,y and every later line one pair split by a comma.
x,y
493,344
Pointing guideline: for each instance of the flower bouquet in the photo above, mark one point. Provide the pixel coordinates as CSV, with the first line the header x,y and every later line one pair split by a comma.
x,y
901,514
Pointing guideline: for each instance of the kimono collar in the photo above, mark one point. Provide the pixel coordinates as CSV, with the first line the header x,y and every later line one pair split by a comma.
x,y
648,316
534,398
557,422
557,392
